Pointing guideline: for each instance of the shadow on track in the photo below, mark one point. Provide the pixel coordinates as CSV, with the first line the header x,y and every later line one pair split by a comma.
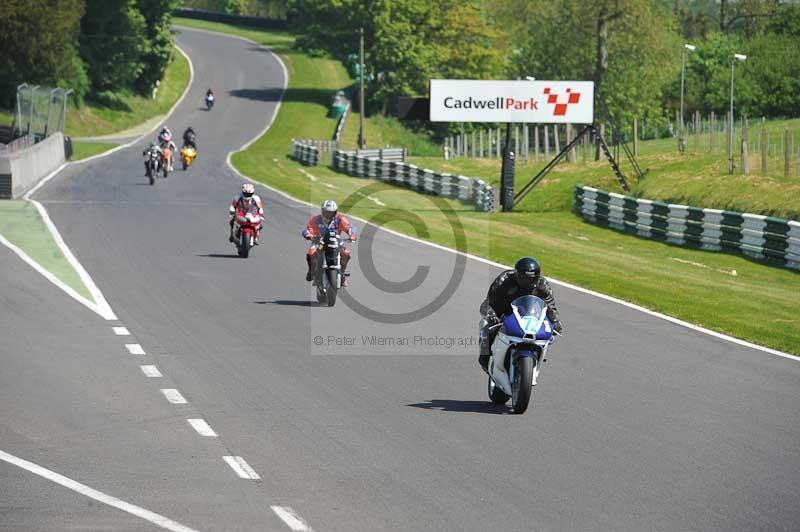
x,y
287,303
448,405
220,255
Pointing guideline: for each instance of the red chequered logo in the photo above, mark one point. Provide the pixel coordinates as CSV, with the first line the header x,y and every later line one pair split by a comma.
x,y
561,108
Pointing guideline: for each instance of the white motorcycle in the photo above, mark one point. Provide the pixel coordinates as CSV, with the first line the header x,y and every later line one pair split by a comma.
x,y
518,351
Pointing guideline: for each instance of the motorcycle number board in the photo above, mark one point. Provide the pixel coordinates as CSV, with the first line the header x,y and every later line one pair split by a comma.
x,y
543,102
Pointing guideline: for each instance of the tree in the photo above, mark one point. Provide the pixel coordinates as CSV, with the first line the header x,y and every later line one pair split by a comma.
x,y
407,41
158,52
627,47
38,39
112,41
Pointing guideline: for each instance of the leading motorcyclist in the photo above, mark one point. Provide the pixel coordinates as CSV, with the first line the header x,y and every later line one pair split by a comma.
x,y
241,203
329,215
146,153
524,280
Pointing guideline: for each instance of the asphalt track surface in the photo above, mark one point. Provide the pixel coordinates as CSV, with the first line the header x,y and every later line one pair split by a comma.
x,y
637,424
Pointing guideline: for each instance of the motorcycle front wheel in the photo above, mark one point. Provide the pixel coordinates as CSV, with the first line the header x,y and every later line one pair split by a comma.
x,y
332,288
522,385
244,245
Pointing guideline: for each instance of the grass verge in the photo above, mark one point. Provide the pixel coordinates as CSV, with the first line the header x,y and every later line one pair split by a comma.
x,y
97,119
22,225
710,294
83,150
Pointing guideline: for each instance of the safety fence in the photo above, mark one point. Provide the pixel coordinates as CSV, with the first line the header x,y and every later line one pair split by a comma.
x,y
306,153
471,190
216,16
384,154
773,240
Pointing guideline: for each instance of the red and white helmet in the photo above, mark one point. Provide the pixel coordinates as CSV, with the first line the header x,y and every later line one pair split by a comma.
x,y
248,189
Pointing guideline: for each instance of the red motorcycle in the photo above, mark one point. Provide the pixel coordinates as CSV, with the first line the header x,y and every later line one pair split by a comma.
x,y
247,224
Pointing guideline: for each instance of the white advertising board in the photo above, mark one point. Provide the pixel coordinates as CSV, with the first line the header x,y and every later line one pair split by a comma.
x,y
544,102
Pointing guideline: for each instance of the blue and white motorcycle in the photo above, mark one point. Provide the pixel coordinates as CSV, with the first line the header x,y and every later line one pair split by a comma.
x,y
518,351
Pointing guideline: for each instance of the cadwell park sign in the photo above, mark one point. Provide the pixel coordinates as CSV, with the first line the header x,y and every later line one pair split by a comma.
x,y
544,102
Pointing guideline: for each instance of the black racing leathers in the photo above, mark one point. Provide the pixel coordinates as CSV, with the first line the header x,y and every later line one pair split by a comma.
x,y
498,300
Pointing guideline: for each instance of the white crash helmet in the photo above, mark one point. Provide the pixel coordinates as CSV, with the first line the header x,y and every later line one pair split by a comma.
x,y
248,189
329,210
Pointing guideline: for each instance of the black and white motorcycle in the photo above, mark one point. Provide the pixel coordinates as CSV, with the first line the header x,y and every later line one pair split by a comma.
x,y
518,351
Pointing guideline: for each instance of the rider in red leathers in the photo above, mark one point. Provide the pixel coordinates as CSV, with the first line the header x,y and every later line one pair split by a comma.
x,y
240,204
329,215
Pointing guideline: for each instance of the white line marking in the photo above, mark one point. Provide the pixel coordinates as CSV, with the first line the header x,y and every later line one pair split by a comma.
x,y
49,276
174,396
151,371
103,308
134,349
291,519
100,305
307,174
241,467
121,331
202,428
99,496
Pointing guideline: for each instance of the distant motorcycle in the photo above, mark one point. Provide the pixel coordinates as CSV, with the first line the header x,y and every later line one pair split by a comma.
x,y
209,101
153,163
518,351
245,232
188,154
329,276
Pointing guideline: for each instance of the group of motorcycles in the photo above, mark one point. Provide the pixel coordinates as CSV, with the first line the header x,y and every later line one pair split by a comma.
x,y
159,160
520,345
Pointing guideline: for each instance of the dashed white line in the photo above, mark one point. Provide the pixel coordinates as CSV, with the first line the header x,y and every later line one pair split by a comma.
x,y
134,349
174,396
151,371
202,428
99,496
241,467
121,331
291,519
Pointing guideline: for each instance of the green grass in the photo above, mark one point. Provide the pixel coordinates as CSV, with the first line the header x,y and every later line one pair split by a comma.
x,y
633,269
22,225
82,150
95,119
700,179
388,132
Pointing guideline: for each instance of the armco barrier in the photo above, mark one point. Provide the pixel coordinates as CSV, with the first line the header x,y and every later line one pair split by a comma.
x,y
475,191
774,240
215,16
22,170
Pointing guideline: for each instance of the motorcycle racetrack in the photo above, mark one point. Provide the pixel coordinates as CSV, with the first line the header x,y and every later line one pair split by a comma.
x,y
368,416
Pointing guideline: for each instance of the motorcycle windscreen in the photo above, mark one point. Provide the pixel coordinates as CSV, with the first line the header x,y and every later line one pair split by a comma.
x,y
528,317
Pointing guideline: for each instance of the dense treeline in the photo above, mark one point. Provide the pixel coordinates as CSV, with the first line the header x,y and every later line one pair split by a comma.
x,y
97,48
275,9
630,48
